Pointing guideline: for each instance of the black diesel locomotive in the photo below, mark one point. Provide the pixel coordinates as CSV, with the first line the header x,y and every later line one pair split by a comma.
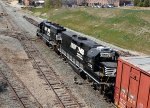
x,y
95,62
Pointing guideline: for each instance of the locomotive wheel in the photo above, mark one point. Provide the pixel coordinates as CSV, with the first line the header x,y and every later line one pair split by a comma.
x,y
57,47
82,74
41,37
54,47
37,34
94,86
109,93
89,79
102,89
56,50
97,86
64,58
47,44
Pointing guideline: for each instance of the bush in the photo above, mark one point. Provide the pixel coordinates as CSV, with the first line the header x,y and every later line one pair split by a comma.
x,y
140,4
136,2
146,3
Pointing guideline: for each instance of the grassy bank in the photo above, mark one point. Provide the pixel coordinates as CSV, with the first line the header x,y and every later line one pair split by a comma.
x,y
122,27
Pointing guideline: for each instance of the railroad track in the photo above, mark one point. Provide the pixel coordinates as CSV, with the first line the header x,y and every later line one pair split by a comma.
x,y
20,92
32,21
65,99
63,94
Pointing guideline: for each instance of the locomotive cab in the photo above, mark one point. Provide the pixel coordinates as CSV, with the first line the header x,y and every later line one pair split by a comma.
x,y
44,30
101,60
101,64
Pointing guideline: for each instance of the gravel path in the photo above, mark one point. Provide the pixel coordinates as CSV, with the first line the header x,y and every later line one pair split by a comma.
x,y
15,57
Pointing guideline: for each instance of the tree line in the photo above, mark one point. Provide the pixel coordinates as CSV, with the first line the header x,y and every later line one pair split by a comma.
x,y
59,3
142,3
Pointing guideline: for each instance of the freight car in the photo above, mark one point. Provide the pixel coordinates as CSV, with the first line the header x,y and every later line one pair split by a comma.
x,y
95,62
132,88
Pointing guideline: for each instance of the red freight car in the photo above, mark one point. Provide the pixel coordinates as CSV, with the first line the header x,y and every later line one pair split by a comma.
x,y
132,89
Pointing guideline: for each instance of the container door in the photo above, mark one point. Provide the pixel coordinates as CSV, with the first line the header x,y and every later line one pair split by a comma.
x,y
144,92
133,88
118,81
124,86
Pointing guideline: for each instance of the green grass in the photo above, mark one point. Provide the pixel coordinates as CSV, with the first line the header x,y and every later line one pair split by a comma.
x,y
122,27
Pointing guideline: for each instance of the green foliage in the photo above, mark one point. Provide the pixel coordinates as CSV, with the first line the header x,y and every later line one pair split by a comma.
x,y
55,3
136,2
140,4
47,4
146,3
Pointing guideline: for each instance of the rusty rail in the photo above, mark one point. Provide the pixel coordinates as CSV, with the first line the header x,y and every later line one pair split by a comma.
x,y
19,90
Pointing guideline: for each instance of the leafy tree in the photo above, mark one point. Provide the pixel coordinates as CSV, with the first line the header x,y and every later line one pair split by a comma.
x,y
136,2
140,4
47,4
53,3
146,3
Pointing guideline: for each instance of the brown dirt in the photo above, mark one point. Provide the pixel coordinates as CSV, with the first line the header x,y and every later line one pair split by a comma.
x,y
14,55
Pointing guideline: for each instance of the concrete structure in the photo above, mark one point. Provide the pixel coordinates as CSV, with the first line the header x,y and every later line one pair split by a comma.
x,y
102,2
79,2
26,2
